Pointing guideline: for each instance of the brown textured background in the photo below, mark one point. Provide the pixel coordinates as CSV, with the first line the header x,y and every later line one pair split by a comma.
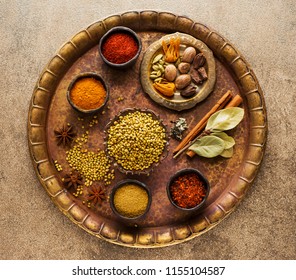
x,y
263,226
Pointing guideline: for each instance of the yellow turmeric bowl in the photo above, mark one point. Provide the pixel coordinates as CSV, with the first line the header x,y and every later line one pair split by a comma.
x,y
88,93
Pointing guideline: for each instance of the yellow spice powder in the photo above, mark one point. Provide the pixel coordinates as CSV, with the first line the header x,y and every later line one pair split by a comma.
x,y
88,93
131,200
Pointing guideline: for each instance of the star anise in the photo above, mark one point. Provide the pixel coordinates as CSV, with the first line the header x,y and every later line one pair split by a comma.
x,y
96,194
73,179
65,135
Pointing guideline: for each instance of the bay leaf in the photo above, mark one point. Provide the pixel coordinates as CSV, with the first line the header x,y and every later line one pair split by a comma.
x,y
228,140
208,146
225,119
227,153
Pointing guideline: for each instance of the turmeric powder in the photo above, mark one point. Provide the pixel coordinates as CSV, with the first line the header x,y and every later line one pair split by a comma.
x,y
88,93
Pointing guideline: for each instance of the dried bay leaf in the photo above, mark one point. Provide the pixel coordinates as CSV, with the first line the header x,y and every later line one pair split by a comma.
x,y
227,153
225,119
228,140
208,146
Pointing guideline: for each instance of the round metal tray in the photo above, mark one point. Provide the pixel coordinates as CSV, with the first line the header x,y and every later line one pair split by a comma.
x,y
163,225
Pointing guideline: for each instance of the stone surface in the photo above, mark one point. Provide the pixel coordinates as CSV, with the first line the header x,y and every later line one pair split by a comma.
x,y
262,227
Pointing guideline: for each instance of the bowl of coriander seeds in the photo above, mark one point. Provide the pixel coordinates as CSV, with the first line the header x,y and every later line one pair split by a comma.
x,y
136,139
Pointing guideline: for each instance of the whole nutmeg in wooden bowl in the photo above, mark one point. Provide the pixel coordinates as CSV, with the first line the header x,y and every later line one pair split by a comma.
x,y
88,93
167,67
188,189
120,47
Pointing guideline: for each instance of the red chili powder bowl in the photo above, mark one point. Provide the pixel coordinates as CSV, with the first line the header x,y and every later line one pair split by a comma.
x,y
188,189
120,47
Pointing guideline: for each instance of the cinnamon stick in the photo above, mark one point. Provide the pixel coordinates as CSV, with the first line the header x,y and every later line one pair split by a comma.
x,y
202,123
236,101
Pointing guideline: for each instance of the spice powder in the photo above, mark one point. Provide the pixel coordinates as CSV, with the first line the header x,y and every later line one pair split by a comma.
x,y
187,191
119,48
131,200
88,93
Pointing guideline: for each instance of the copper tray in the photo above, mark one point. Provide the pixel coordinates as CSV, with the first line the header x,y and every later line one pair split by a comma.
x,y
164,225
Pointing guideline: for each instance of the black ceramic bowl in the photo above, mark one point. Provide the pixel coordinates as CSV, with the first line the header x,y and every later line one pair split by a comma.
x,y
125,30
82,76
123,184
201,177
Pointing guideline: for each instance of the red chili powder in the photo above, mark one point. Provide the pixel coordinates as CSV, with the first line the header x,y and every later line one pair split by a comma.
x,y
119,48
187,190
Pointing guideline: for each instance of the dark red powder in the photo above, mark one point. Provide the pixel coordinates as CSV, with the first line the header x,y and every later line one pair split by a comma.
x,y
119,48
187,191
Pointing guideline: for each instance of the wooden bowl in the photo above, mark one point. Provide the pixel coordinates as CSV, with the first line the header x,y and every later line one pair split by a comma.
x,y
178,102
122,184
202,178
82,76
126,30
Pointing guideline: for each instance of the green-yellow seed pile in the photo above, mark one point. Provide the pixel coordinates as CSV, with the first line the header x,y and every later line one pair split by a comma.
x,y
94,166
136,140
58,166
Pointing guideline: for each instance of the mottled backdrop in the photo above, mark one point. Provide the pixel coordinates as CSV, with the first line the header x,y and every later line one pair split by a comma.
x,y
262,227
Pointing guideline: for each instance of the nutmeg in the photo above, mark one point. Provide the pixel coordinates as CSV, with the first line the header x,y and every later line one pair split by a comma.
x,y
182,81
184,67
188,54
170,72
